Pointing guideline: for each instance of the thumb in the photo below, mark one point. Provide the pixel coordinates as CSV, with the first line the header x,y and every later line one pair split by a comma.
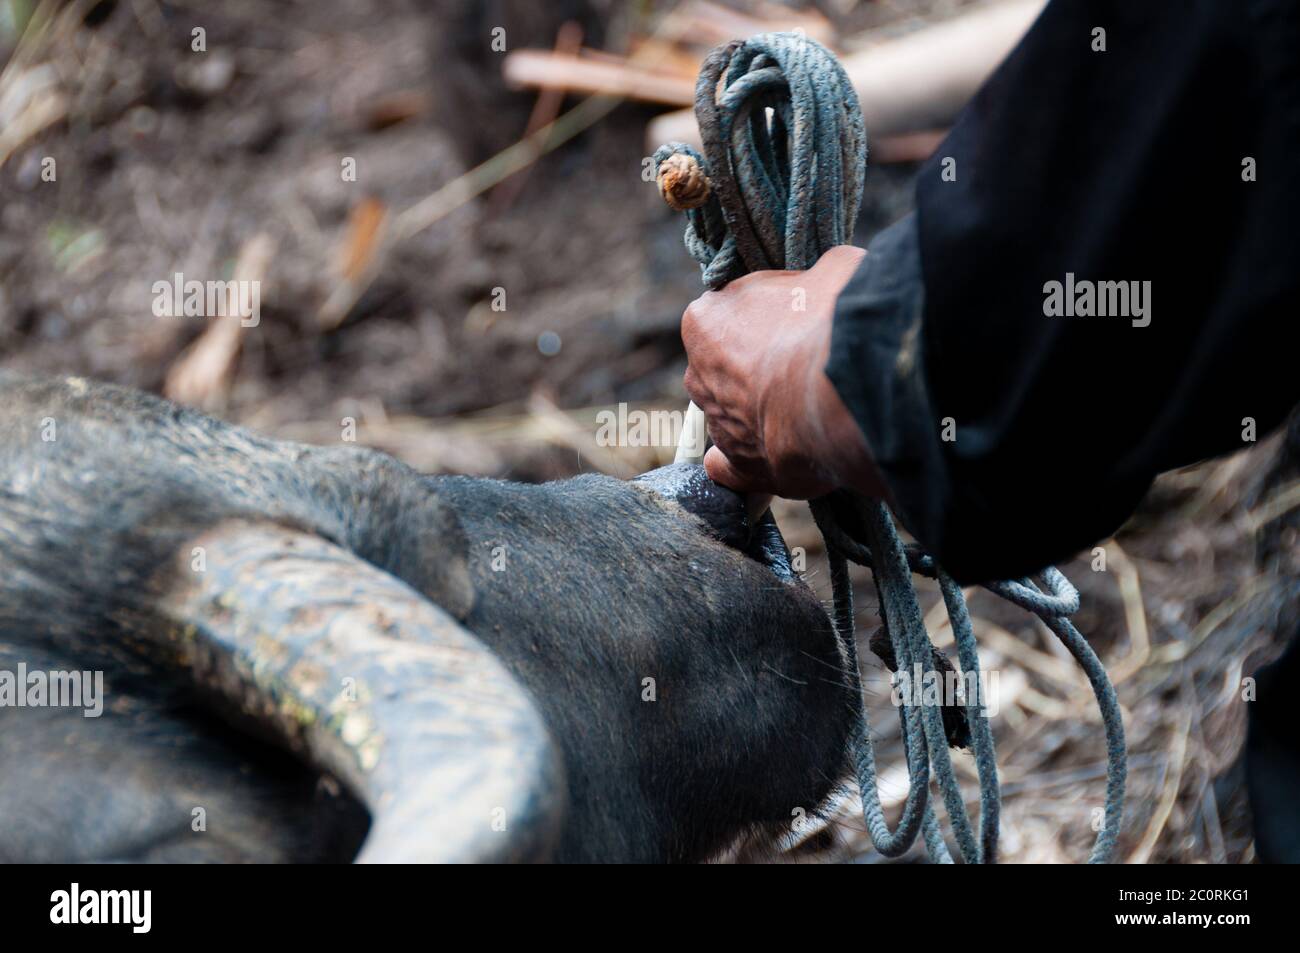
x,y
722,472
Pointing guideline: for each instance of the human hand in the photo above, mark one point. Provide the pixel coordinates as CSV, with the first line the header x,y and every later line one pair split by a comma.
x,y
757,349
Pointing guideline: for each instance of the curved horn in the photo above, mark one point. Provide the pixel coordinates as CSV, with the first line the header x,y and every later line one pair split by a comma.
x,y
360,675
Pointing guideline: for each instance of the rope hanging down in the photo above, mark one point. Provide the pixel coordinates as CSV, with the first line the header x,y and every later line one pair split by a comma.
x,y
779,183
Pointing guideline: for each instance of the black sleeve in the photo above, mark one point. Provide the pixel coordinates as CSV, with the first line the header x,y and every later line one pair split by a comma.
x,y
1169,164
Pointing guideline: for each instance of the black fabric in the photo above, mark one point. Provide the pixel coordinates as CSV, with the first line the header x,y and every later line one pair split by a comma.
x,y
1123,165
1273,759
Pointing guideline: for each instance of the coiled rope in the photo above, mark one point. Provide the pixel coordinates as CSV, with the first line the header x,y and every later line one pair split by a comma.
x,y
779,183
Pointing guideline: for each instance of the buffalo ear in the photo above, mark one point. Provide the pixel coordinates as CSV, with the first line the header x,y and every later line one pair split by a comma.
x,y
361,676
425,545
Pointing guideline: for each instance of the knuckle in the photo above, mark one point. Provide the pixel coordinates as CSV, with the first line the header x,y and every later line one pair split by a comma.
x,y
690,328
691,381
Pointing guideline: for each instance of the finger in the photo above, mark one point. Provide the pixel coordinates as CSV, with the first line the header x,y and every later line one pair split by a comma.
x,y
756,504
755,278
722,472
694,386
694,319
844,254
839,264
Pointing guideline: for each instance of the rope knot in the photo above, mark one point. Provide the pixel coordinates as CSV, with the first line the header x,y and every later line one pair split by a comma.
x,y
682,182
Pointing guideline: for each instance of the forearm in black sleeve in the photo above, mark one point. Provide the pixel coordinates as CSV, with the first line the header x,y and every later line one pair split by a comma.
x,y
1011,434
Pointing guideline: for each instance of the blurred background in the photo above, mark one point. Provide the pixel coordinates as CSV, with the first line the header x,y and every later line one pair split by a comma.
x,y
497,268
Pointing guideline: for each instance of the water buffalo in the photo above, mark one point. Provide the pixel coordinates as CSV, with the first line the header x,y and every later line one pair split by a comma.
x,y
459,669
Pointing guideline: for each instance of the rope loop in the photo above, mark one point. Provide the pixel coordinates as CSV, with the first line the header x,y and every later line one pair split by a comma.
x,y
784,155
1057,598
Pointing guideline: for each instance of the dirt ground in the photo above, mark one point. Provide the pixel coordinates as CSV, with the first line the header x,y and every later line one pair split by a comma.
x,y
174,161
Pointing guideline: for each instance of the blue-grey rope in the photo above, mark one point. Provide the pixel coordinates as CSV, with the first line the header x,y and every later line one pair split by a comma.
x,y
779,183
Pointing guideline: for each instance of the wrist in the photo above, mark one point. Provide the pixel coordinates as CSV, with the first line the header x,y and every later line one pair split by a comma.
x,y
841,445
848,457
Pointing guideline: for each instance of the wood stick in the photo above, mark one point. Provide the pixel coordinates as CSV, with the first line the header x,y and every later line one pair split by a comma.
x,y
568,41
203,374
917,82
576,74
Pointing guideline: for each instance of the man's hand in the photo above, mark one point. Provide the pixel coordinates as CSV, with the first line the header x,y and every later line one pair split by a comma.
x,y
757,350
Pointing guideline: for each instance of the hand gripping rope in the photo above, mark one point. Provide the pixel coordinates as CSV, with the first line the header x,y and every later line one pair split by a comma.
x,y
779,183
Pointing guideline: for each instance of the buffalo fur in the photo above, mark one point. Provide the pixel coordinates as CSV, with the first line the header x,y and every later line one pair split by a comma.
x,y
585,589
